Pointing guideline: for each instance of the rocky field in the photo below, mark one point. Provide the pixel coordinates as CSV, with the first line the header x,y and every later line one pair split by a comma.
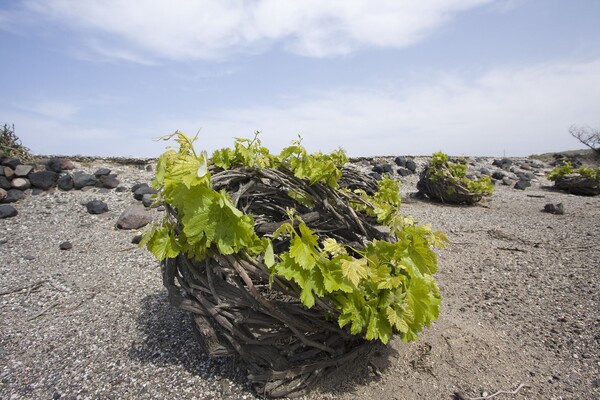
x,y
84,314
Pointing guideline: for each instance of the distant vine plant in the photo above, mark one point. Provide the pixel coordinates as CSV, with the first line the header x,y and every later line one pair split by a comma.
x,y
380,289
567,169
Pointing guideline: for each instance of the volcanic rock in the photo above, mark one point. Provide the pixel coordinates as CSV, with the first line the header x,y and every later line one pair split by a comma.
x,y
7,211
134,217
43,179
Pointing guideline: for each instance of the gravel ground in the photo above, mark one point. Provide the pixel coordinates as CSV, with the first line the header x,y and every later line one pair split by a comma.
x,y
520,289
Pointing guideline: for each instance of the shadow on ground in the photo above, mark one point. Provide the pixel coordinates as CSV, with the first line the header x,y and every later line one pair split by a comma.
x,y
171,339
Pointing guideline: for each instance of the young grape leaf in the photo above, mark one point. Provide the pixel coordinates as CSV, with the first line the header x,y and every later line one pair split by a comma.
x,y
354,269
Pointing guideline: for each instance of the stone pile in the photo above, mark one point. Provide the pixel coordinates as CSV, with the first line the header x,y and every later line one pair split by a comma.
x,y
520,174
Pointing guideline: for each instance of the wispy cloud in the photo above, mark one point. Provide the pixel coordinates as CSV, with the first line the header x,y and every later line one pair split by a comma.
x,y
205,29
50,108
517,110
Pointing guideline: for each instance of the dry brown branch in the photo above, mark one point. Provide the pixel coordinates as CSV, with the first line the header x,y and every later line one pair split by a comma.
x,y
521,386
30,287
285,346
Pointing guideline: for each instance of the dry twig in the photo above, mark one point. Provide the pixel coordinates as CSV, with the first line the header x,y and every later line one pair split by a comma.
x,y
522,385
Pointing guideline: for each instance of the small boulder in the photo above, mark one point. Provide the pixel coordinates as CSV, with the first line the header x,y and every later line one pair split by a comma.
x,y
376,176
81,180
411,165
65,245
136,239
484,171
143,189
377,169
387,168
11,162
506,181
53,165
137,186
522,184
525,166
149,167
13,195
7,211
65,182
148,199
134,217
21,183
96,207
499,175
101,172
557,209
43,179
109,181
66,164
400,161
8,172
403,171
23,170
4,183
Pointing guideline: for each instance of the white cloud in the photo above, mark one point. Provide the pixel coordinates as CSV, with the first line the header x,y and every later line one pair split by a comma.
x,y
205,29
518,110
51,108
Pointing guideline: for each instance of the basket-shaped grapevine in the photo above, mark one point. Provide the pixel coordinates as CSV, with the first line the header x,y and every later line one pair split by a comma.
x,y
283,267
447,182
582,182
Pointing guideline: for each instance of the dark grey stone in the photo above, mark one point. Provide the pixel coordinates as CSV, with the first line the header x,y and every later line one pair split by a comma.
x,y
65,182
4,183
101,172
148,199
411,165
11,162
557,209
142,190
149,168
137,186
43,179
387,168
96,207
136,239
81,180
53,165
121,189
134,217
498,175
37,191
7,211
522,184
403,171
65,245
377,169
23,170
484,171
376,176
13,195
109,181
400,161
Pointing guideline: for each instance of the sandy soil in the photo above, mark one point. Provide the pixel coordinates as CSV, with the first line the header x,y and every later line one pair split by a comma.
x,y
520,309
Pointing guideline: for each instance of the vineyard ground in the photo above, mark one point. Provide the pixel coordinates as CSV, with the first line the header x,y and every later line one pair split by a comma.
x,y
520,294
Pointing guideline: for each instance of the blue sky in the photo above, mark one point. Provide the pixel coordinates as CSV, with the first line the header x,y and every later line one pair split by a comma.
x,y
468,77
